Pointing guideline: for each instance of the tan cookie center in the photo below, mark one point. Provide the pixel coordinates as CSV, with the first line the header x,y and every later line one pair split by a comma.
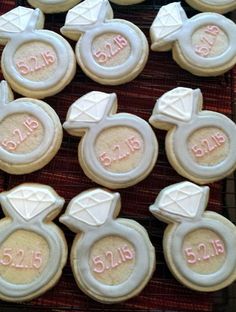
x,y
112,260
111,49
208,146
209,41
21,133
204,251
119,149
36,61
23,257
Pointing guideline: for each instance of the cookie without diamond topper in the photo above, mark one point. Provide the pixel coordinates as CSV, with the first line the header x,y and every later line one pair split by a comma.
x,y
36,63
220,6
200,145
109,51
126,2
53,6
33,250
204,44
112,259
30,133
116,150
199,247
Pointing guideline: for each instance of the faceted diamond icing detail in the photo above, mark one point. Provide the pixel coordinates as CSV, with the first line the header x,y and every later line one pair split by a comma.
x,y
89,108
30,201
15,20
92,208
177,103
85,13
183,199
167,21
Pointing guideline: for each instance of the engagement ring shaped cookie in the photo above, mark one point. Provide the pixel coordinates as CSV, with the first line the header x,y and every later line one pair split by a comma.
x,y
112,259
199,247
219,6
200,144
53,6
109,51
36,63
116,150
30,133
33,250
203,44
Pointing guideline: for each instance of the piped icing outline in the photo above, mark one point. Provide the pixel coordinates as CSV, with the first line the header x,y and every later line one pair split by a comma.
x,y
89,20
30,30
171,29
104,107
179,112
93,202
172,206
39,223
53,6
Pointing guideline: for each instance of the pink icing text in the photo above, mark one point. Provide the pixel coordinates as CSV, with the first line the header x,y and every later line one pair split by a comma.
x,y
208,145
19,135
110,260
207,40
203,253
111,49
21,259
35,63
121,151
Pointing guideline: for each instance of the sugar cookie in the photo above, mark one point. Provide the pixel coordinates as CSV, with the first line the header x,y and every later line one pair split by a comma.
x,y
30,133
33,250
204,44
36,63
116,150
200,145
109,51
220,6
113,259
53,6
199,247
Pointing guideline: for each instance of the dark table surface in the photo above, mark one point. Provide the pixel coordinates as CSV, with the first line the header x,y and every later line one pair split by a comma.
x,y
63,173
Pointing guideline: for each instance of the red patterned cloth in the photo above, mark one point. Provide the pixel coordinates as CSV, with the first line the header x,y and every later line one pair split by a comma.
x,y
64,174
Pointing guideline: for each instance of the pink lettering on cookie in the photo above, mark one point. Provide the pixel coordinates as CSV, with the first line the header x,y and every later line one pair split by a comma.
x,y
111,48
110,260
208,40
208,144
29,125
121,151
21,259
36,63
204,251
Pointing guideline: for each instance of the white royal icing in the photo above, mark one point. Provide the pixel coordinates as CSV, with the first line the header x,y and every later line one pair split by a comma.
x,y
177,103
89,108
16,20
85,13
30,201
93,208
184,200
167,21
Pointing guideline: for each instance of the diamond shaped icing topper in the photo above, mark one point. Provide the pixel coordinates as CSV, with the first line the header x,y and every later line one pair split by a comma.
x,y
177,103
89,108
92,208
16,20
183,199
29,202
167,21
85,13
